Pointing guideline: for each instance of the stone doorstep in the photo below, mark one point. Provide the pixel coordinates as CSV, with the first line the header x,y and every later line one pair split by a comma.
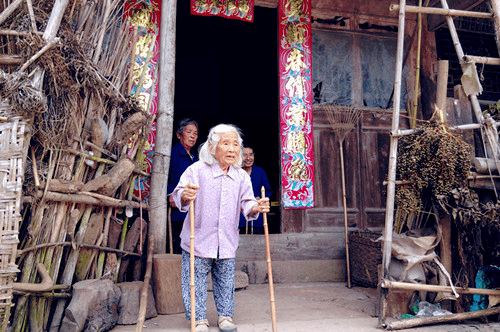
x,y
291,271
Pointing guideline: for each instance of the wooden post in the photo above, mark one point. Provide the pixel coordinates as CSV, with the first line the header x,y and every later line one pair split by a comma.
x,y
445,245
442,84
164,125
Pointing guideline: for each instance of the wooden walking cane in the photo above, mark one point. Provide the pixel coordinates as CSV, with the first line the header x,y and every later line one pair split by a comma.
x,y
169,225
191,269
269,267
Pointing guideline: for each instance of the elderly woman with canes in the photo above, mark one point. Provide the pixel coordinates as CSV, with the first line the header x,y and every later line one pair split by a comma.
x,y
218,189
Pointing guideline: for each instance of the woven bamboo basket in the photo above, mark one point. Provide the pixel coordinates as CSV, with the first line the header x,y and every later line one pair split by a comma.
x,y
365,255
12,161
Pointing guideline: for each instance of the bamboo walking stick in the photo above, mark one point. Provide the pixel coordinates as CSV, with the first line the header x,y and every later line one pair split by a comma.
x,y
269,267
191,269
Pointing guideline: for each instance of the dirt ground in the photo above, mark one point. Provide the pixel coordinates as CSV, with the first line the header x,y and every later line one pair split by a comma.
x,y
321,307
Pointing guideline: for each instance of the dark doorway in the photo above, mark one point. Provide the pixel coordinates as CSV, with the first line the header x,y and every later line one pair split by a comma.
x,y
227,72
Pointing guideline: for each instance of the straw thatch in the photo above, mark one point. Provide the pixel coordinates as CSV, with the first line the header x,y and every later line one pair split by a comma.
x,y
73,165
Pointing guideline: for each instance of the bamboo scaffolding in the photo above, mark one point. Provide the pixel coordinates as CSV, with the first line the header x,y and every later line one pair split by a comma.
x,y
441,11
385,285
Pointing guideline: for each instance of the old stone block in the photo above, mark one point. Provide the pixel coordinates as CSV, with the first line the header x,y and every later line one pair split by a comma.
x,y
93,307
131,300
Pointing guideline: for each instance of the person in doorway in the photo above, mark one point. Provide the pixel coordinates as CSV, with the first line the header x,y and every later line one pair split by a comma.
x,y
220,190
181,158
258,177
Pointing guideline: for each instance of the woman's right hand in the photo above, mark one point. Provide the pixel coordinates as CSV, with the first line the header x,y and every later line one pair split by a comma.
x,y
189,193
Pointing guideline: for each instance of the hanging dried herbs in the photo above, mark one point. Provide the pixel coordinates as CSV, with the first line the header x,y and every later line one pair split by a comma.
x,y
432,163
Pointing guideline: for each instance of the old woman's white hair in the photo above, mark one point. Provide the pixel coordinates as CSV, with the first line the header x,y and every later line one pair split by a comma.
x,y
207,149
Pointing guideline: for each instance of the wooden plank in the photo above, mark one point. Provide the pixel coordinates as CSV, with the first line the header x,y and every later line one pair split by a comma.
x,y
131,240
94,230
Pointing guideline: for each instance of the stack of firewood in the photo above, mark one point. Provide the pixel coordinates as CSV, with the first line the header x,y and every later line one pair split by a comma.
x,y
71,81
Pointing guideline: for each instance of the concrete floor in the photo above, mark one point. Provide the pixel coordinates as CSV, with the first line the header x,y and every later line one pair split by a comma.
x,y
321,307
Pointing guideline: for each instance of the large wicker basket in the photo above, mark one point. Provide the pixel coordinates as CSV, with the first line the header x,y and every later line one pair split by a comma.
x,y
12,159
365,255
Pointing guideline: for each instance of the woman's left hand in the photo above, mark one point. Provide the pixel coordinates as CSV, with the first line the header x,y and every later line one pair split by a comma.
x,y
263,205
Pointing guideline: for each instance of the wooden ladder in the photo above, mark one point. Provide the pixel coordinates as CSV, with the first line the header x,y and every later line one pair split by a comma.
x,y
489,136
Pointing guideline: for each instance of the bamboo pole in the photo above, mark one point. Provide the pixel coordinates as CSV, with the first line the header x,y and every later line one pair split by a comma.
x,y
414,109
269,267
470,126
145,287
191,267
393,151
164,126
398,285
482,59
414,322
495,7
441,11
